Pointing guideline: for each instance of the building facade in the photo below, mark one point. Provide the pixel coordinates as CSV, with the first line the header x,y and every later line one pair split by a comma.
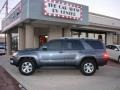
x,y
32,23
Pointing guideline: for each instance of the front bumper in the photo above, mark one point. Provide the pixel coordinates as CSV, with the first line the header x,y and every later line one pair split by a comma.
x,y
2,53
13,61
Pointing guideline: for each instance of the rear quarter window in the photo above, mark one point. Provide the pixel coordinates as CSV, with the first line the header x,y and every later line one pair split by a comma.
x,y
95,44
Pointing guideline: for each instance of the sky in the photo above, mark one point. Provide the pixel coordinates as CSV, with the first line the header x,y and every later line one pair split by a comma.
x,y
105,7
11,4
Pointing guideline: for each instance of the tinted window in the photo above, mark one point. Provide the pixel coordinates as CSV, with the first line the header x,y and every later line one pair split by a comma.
x,y
2,47
73,45
108,46
54,45
95,44
114,47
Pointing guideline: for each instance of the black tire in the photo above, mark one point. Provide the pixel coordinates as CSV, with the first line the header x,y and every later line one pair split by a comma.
x,y
119,59
27,67
90,70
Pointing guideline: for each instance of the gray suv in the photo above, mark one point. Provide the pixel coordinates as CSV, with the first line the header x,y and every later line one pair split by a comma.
x,y
85,54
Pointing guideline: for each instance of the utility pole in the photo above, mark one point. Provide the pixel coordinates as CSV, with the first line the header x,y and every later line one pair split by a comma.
x,y
5,5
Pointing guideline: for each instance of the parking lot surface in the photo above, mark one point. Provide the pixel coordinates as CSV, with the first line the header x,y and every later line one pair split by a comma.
x,y
106,78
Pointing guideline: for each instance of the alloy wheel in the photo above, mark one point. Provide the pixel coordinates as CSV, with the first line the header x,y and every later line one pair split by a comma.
x,y
88,68
26,67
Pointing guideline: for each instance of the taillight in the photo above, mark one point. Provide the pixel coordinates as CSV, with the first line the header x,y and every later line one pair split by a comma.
x,y
106,56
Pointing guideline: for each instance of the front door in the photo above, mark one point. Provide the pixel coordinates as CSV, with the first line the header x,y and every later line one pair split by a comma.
x,y
52,53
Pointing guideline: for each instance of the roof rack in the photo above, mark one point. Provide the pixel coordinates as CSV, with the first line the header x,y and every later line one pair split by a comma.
x,y
76,38
72,38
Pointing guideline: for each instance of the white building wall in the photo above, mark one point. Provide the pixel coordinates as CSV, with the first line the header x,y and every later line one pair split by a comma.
x,y
21,40
36,41
67,32
2,37
104,20
54,33
29,36
9,44
109,38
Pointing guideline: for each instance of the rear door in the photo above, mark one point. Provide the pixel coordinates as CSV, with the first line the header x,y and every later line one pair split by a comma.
x,y
114,52
109,50
71,50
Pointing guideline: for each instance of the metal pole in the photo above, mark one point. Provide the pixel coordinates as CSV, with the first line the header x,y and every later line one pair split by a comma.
x,y
6,8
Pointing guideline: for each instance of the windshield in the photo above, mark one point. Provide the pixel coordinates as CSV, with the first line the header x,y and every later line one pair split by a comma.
x,y
2,46
119,47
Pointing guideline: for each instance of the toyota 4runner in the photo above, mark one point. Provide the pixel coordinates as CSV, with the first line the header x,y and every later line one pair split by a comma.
x,y
86,54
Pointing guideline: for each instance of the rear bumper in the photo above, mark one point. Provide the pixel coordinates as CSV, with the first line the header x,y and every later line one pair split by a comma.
x,y
13,61
102,62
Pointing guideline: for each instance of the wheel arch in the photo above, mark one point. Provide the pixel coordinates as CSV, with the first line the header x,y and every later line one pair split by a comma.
x,y
27,58
91,58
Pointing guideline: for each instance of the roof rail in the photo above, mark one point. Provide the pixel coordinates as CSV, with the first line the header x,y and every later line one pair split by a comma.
x,y
72,38
76,38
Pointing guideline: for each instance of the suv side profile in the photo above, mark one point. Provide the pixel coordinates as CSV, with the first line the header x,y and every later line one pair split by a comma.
x,y
87,54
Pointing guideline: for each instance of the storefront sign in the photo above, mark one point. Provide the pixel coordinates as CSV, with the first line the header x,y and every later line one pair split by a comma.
x,y
63,9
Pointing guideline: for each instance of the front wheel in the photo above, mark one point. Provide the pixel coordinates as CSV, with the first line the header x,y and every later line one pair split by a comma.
x,y
27,67
88,67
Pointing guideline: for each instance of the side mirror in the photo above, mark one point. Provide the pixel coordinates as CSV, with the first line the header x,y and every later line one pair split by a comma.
x,y
116,49
44,48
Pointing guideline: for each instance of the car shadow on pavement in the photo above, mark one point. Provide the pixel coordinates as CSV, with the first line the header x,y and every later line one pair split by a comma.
x,y
58,71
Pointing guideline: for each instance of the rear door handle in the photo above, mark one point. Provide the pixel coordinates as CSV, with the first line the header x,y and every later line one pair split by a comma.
x,y
60,51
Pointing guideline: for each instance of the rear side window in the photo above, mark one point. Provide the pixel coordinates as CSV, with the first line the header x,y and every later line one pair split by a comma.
x,y
95,44
73,45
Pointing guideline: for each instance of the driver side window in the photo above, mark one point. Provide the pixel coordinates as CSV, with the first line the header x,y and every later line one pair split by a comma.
x,y
54,45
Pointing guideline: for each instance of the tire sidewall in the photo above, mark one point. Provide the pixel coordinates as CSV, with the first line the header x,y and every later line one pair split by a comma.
x,y
119,59
33,67
82,67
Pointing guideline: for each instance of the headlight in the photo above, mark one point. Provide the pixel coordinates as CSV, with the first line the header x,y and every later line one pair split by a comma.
x,y
14,54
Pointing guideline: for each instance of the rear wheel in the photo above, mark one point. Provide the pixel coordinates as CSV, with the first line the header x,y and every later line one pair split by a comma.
x,y
27,67
119,59
88,67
